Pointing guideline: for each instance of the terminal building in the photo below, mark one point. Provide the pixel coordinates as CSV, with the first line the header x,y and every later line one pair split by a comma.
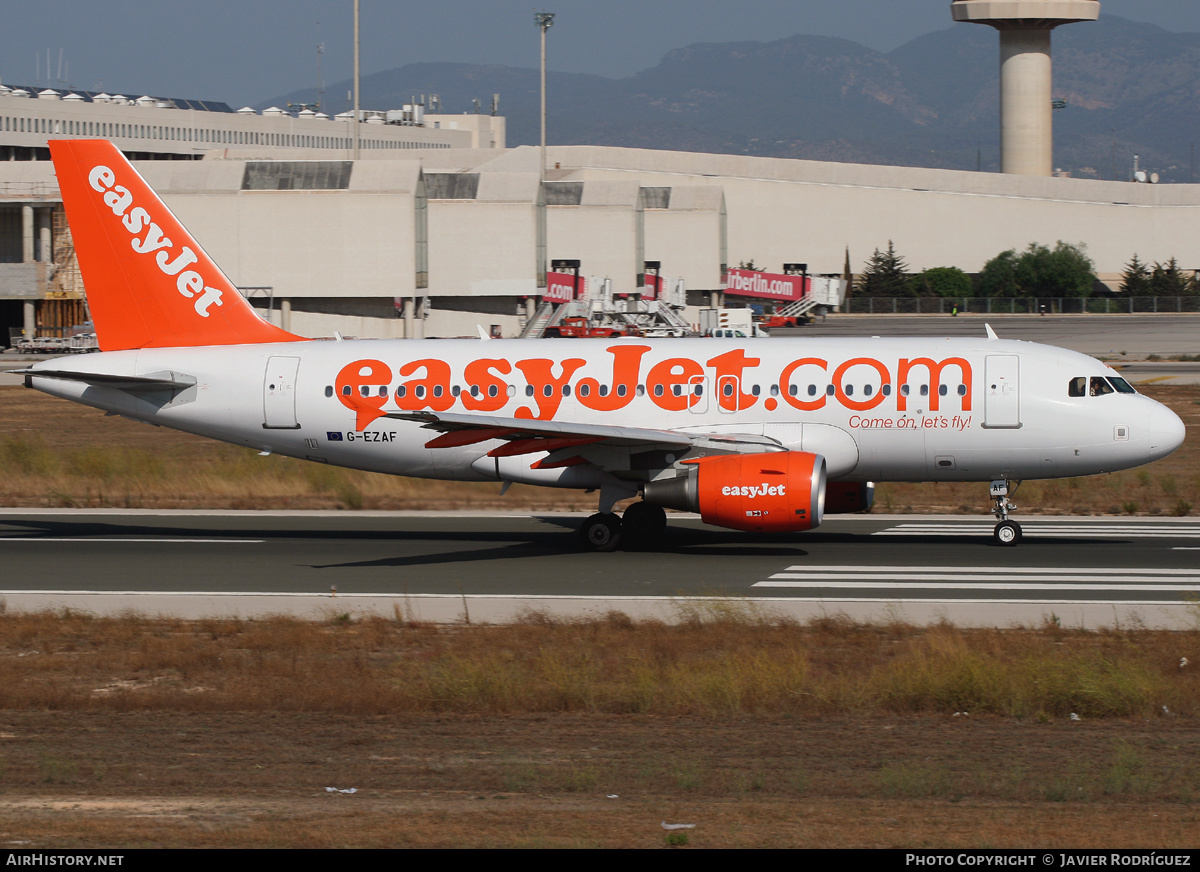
x,y
439,229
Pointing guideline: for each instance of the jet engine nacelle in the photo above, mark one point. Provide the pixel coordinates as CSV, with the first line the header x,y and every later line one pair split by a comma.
x,y
843,497
778,492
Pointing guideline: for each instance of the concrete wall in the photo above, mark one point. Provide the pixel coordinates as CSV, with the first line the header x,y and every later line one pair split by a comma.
x,y
485,246
791,210
358,242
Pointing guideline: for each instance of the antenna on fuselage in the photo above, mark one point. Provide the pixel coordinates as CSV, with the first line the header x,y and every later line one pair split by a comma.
x,y
991,334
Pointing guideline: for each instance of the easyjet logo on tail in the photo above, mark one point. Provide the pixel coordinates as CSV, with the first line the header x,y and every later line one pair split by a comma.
x,y
148,239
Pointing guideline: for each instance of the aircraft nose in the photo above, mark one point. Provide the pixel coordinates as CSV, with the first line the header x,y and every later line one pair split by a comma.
x,y
1166,431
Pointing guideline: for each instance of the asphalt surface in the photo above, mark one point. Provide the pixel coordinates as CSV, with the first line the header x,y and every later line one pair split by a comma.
x,y
450,567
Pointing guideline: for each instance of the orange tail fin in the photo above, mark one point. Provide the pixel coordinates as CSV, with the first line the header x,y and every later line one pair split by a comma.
x,y
149,285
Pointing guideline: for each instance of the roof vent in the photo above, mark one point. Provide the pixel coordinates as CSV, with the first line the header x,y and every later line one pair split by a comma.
x,y
273,112
48,94
246,110
73,98
145,102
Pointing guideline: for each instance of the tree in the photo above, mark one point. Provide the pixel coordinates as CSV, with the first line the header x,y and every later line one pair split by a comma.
x,y
998,278
1167,280
1064,271
885,275
1135,281
942,281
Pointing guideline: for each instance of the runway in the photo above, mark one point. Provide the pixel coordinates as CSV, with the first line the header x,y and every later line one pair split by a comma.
x,y
447,567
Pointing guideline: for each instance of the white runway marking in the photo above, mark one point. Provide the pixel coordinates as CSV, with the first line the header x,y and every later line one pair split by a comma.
x,y
954,582
118,539
1100,528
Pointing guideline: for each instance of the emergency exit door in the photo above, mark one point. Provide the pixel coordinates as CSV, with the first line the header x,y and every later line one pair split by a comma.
x,y
1001,391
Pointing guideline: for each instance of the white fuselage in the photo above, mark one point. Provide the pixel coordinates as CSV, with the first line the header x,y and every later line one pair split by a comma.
x,y
878,409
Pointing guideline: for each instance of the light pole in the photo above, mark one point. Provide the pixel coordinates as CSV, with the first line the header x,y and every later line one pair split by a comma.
x,y
357,133
544,21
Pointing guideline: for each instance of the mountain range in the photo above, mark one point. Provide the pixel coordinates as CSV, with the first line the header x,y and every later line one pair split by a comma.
x,y
1130,89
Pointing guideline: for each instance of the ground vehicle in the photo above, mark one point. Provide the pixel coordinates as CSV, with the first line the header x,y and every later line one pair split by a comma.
x,y
755,435
582,328
772,321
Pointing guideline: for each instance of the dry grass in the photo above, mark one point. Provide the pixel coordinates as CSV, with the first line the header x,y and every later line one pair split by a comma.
x,y
725,663
139,732
59,454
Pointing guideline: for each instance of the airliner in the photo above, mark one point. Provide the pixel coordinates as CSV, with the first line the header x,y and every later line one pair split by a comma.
x,y
762,435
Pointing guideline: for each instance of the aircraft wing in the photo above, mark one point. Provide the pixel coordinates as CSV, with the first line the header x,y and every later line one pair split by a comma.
x,y
576,442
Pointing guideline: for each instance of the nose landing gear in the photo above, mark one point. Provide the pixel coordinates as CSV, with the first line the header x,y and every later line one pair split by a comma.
x,y
1007,532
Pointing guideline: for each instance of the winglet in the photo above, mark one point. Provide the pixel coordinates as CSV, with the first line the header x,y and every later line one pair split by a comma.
x,y
148,283
991,334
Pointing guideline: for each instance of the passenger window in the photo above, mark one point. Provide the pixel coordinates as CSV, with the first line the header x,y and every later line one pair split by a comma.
x,y
924,390
1077,387
329,390
1100,386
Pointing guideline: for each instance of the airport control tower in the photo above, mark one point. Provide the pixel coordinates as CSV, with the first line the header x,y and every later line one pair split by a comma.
x,y
1026,134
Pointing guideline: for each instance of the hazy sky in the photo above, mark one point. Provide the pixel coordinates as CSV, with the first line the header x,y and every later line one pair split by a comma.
x,y
245,51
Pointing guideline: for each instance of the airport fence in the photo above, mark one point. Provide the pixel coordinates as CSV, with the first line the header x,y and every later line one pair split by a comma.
x,y
1116,305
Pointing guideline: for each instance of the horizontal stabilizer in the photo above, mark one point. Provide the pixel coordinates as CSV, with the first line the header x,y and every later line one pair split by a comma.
x,y
166,381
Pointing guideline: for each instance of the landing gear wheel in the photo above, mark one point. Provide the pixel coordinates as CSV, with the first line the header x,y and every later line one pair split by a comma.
x,y
642,524
601,532
1007,533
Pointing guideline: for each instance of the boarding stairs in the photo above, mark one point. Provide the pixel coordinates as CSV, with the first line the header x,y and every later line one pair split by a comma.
x,y
537,325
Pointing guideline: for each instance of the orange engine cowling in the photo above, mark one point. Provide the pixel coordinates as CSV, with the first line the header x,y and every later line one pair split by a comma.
x,y
775,492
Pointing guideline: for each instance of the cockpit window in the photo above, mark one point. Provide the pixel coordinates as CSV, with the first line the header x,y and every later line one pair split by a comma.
x,y
1122,386
1077,387
1100,386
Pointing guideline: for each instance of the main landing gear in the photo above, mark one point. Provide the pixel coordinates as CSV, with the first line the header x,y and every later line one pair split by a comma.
x,y
1006,532
641,525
